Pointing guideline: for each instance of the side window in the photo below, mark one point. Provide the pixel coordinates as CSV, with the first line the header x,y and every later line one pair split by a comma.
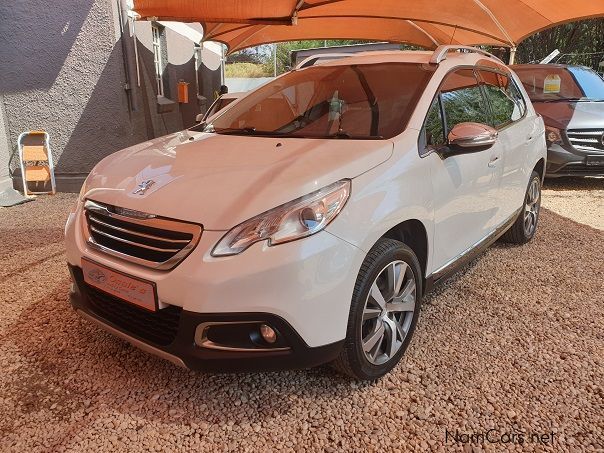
x,y
518,98
435,133
503,97
462,99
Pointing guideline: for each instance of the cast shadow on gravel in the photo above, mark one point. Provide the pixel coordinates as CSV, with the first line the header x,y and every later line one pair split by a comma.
x,y
90,370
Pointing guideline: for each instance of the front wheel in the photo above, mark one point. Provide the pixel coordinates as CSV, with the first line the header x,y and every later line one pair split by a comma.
x,y
384,311
525,226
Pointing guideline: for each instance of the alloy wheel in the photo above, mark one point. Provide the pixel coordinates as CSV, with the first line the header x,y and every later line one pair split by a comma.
x,y
531,207
388,312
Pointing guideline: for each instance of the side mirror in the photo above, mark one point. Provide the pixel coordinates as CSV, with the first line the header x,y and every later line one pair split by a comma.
x,y
471,137
199,117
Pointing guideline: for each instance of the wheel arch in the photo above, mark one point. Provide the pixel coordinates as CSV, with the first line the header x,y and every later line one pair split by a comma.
x,y
414,234
540,168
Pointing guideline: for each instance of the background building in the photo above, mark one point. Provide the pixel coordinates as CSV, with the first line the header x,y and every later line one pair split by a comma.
x,y
95,81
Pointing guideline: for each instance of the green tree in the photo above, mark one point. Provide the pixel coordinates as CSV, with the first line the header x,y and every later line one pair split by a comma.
x,y
583,40
284,49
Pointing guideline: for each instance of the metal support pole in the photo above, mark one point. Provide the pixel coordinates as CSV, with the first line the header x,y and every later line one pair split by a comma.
x,y
222,63
512,54
275,60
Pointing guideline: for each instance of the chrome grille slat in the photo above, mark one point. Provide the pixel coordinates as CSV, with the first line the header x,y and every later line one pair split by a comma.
x,y
586,132
588,148
586,139
141,238
126,241
124,230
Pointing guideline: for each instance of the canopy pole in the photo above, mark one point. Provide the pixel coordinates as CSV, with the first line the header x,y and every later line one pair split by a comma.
x,y
512,54
294,17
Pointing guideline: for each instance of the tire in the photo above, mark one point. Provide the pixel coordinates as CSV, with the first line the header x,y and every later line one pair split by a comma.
x,y
388,264
519,232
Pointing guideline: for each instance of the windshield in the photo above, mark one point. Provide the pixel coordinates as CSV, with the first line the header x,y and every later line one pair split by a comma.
x,y
366,101
590,82
560,84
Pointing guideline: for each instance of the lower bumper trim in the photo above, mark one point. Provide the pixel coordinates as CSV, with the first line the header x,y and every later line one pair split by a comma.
x,y
182,349
567,161
133,341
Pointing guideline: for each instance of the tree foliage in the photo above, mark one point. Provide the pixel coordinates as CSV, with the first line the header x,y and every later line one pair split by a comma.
x,y
580,42
246,70
264,55
582,37
284,49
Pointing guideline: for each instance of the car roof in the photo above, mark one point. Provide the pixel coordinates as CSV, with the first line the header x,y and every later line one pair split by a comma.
x,y
411,56
545,66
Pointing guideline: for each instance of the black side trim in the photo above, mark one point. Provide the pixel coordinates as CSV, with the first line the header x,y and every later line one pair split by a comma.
x,y
469,254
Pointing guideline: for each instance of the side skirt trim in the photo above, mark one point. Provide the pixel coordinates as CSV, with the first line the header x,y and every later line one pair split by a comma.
x,y
468,255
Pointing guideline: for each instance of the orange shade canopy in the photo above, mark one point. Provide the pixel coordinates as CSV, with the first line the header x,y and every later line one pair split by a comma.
x,y
427,23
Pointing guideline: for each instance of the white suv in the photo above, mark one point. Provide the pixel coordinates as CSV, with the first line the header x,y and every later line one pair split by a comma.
x,y
304,224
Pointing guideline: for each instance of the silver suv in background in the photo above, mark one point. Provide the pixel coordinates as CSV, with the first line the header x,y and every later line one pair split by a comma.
x,y
571,101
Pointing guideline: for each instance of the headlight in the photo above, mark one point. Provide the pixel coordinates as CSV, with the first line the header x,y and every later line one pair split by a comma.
x,y
552,135
294,220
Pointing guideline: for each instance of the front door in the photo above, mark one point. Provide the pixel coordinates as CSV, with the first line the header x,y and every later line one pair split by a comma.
x,y
466,186
516,133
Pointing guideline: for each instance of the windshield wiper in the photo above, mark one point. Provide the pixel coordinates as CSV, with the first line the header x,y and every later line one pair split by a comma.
x,y
339,134
346,135
248,131
234,130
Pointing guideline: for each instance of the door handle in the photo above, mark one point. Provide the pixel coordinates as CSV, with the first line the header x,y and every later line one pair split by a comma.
x,y
493,161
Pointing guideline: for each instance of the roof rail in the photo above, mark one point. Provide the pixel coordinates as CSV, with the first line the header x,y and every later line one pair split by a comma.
x,y
441,52
317,58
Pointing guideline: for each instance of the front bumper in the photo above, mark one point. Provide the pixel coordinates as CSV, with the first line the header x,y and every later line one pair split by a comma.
x,y
308,283
563,160
173,338
303,288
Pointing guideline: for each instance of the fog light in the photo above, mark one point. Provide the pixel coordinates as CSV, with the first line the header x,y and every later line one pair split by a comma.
x,y
552,136
268,333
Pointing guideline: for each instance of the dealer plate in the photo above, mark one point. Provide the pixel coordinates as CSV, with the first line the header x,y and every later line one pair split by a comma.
x,y
130,289
595,160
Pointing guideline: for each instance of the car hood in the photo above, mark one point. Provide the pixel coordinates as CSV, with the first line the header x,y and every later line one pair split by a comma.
x,y
222,180
572,115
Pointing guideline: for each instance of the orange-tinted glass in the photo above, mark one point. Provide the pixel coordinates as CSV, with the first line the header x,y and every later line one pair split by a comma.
x,y
344,101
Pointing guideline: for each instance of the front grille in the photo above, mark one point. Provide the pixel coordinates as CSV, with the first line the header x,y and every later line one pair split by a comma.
x,y
158,327
142,238
586,139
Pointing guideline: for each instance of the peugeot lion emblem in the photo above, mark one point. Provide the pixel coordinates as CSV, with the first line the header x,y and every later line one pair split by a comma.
x,y
143,187
97,275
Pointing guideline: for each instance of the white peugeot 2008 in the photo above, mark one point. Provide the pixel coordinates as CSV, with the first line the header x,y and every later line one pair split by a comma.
x,y
304,223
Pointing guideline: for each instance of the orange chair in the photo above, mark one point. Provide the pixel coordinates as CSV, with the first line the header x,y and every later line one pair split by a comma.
x,y
37,167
